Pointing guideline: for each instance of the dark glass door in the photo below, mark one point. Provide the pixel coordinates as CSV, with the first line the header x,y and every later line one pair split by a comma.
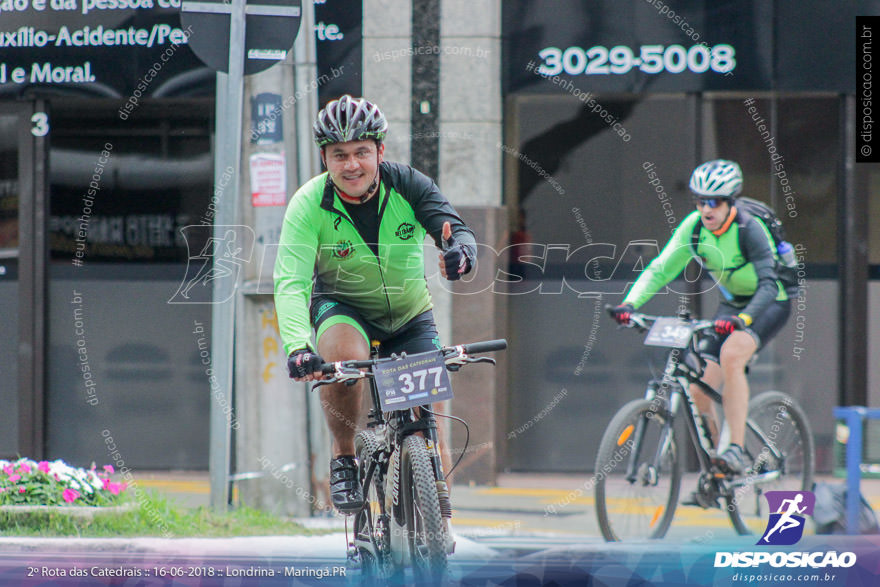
x,y
23,131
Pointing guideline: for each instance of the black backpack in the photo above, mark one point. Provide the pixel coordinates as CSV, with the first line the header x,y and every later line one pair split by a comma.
x,y
787,274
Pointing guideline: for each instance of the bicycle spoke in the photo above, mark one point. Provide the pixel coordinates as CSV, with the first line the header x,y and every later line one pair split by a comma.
x,y
637,475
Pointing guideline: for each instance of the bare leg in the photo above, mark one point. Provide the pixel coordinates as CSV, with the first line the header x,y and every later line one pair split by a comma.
x,y
713,377
342,403
735,354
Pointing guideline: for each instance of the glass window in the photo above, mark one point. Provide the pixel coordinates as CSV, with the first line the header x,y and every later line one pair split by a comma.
x,y
121,190
789,150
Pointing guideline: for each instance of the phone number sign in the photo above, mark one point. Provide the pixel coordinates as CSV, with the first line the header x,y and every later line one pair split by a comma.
x,y
414,380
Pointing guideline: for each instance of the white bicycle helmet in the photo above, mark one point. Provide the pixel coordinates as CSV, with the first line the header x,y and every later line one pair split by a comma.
x,y
718,178
349,119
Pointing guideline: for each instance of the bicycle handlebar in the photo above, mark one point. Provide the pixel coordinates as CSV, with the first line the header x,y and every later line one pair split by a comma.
x,y
641,321
452,354
485,346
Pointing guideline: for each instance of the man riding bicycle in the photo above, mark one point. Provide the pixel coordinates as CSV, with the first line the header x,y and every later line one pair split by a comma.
x,y
738,251
351,264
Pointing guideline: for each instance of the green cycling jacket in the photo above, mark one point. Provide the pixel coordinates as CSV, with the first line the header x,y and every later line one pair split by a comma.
x,y
747,276
321,251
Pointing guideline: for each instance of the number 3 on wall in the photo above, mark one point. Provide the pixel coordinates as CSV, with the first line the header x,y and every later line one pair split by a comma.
x,y
41,124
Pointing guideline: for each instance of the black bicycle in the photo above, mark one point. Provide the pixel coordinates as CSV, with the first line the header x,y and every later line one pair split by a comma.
x,y
405,518
640,464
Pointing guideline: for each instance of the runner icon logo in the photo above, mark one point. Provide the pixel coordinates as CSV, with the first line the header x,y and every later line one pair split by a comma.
x,y
786,526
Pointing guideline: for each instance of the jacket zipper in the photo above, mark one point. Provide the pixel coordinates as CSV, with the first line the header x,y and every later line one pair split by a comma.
x,y
378,259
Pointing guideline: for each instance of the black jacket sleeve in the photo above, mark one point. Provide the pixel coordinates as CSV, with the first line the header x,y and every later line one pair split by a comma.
x,y
431,207
757,251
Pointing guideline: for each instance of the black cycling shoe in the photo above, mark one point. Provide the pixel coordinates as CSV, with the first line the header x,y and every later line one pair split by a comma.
x,y
345,488
732,461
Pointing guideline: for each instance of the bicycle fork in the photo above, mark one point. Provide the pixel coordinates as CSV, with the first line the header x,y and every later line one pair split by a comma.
x,y
650,475
433,444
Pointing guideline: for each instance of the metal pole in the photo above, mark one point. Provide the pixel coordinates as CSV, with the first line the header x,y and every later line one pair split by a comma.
x,y
227,155
853,468
307,166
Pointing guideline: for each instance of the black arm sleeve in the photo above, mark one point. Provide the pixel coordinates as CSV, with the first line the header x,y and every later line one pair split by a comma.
x,y
431,207
757,251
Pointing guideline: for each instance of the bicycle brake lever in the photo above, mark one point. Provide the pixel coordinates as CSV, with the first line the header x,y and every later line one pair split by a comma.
x,y
321,382
480,360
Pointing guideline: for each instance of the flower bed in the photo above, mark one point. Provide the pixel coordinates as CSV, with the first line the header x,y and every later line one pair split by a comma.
x,y
29,483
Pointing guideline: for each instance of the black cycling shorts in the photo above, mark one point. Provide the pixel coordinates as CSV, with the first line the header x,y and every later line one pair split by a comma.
x,y
763,328
419,335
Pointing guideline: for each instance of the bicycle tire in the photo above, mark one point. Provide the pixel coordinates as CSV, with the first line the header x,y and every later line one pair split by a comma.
x,y
425,534
789,430
374,569
620,504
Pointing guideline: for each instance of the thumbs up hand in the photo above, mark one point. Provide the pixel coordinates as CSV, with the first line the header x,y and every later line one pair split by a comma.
x,y
453,260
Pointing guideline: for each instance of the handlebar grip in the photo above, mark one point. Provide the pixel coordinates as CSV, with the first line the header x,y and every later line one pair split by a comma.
x,y
485,346
328,368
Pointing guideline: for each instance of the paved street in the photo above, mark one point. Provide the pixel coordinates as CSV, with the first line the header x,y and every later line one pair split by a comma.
x,y
504,536
530,509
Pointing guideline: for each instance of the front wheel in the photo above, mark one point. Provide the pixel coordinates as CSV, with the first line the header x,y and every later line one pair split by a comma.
x,y
371,524
638,473
425,533
779,446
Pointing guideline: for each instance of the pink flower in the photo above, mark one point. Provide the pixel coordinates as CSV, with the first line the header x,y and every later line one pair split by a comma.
x,y
14,478
24,468
21,489
43,466
70,495
109,469
114,488
8,469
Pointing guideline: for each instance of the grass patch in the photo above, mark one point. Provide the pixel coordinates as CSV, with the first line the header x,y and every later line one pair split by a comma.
x,y
151,515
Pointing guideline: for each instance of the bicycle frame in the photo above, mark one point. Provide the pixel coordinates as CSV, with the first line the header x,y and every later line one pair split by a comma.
x,y
678,377
385,461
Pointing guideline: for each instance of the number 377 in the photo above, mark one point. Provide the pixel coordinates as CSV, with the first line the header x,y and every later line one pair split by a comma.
x,y
408,380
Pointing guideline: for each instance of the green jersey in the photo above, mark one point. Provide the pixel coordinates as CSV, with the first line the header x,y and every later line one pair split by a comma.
x,y
742,260
321,251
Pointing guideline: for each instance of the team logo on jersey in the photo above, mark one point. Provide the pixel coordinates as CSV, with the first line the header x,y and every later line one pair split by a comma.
x,y
405,231
343,249
786,526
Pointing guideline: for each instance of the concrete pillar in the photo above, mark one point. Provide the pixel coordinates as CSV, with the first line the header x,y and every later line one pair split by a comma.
x,y
470,176
272,440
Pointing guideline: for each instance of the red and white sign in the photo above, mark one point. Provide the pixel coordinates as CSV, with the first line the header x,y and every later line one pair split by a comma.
x,y
268,179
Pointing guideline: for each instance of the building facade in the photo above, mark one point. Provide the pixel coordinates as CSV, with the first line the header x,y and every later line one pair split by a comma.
x,y
564,131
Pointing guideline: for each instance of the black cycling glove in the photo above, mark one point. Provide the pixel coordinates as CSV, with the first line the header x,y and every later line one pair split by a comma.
x,y
303,363
455,258
622,313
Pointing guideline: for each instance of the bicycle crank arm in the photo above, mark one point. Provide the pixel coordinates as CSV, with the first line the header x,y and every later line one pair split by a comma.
x,y
755,479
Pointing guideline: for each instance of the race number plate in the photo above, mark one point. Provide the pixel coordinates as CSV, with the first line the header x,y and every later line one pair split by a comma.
x,y
413,381
669,332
